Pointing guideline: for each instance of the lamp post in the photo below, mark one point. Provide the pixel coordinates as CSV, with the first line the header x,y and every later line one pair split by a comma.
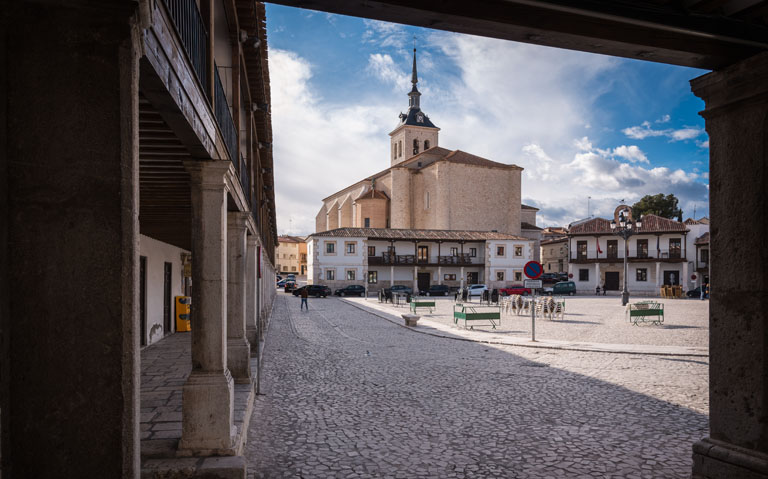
x,y
623,225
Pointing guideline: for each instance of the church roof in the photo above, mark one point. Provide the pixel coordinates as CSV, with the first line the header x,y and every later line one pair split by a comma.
x,y
371,193
414,116
414,234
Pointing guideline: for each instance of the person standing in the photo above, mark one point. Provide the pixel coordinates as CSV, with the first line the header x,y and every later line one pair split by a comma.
x,y
703,290
304,296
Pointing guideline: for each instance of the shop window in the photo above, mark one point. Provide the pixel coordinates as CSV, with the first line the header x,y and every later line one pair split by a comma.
x,y
449,277
642,274
373,277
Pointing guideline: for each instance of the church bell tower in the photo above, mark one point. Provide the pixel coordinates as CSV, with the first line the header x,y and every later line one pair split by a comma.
x,y
415,133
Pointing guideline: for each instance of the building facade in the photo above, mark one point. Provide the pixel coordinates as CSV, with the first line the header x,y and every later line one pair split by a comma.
x,y
147,123
659,254
426,186
291,255
382,257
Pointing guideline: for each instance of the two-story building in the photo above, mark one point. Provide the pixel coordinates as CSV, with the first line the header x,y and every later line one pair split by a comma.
x,y
382,257
658,254
554,249
699,244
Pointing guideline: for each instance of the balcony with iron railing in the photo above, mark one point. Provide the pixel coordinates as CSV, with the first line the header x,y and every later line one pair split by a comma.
x,y
390,259
191,30
665,255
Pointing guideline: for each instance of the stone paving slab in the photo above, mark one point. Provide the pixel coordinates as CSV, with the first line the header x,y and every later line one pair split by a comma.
x,y
515,330
349,395
165,367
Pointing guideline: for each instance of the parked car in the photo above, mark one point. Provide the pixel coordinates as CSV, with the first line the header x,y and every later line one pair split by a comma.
x,y
563,276
281,283
279,277
316,290
562,288
515,290
694,293
436,290
476,290
401,289
351,290
550,278
291,276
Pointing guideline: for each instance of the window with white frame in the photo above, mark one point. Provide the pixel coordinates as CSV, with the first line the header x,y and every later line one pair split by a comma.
x,y
330,274
473,252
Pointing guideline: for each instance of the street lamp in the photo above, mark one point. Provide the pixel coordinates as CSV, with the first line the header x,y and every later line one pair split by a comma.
x,y
625,227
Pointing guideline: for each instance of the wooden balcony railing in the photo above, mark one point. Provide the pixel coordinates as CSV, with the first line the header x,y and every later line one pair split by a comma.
x,y
224,118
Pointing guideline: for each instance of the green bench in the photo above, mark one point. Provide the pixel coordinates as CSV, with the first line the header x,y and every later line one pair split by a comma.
x,y
416,303
646,312
473,313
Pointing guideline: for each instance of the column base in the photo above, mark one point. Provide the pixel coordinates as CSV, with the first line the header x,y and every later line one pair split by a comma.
x,y
252,335
239,360
713,459
207,413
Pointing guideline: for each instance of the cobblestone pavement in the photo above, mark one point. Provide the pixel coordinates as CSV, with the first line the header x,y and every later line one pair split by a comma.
x,y
594,320
349,394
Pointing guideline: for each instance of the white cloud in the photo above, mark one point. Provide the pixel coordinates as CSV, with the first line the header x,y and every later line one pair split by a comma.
x,y
663,119
385,34
703,144
383,67
644,130
631,153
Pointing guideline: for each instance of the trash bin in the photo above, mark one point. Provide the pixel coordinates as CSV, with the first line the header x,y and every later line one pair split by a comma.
x,y
183,306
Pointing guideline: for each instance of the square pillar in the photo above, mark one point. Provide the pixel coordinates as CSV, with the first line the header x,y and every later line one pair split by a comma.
x,y
208,400
238,349
251,290
736,115
597,275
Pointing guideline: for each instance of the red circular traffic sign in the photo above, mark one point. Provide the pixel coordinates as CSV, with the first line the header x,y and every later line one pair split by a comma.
x,y
533,269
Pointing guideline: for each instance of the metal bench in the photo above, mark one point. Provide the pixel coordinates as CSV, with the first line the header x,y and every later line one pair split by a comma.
x,y
417,303
474,313
646,312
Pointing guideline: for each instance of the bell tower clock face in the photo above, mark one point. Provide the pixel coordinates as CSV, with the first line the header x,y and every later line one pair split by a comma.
x,y
420,118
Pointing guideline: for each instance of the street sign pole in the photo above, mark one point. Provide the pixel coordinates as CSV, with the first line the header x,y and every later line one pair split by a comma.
x,y
533,315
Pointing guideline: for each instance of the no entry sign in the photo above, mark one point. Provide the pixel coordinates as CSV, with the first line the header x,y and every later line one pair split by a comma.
x,y
533,269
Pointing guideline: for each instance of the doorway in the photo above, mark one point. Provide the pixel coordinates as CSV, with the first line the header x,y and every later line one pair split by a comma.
x,y
423,281
611,281
143,299
167,276
672,278
472,278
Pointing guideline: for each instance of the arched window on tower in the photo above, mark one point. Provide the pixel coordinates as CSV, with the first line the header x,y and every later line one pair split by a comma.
x,y
426,144
415,146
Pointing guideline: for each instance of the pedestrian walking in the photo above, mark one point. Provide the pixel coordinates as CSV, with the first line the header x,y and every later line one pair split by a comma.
x,y
304,296
703,291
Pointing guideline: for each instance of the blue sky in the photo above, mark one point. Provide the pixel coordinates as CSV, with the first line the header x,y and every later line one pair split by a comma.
x,y
581,125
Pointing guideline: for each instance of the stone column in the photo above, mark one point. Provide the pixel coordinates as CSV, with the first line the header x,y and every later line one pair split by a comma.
x,y
69,239
462,276
238,349
736,115
391,276
597,275
439,275
415,280
251,292
658,276
685,280
207,405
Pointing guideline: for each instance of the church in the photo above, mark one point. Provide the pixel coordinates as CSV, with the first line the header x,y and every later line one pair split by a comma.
x,y
428,187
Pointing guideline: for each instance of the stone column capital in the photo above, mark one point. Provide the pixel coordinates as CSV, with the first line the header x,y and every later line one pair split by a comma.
x,y
741,82
237,220
207,173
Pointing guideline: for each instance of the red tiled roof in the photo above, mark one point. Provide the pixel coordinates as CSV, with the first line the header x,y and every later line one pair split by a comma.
x,y
561,239
458,156
370,193
411,234
703,239
651,224
290,239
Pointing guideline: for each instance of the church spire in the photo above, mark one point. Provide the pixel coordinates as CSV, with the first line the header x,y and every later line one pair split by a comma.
x,y
414,94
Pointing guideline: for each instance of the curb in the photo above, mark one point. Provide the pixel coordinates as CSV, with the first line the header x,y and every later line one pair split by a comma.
x,y
582,347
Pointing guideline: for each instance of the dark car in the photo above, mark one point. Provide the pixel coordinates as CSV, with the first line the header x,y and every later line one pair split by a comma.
x,y
436,290
401,289
316,290
694,293
289,286
550,278
351,290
